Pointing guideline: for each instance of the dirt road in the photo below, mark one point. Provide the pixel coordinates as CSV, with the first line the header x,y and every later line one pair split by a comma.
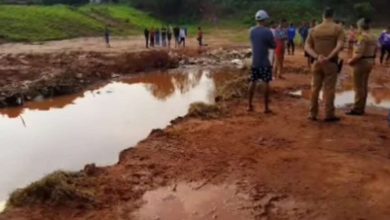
x,y
241,165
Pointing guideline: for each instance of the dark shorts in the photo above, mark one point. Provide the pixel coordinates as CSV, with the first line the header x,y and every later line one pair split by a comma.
x,y
261,73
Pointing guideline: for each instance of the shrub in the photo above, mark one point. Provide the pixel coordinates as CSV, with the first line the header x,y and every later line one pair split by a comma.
x,y
59,188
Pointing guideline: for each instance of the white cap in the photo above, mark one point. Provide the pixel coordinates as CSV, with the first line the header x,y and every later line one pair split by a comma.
x,y
261,15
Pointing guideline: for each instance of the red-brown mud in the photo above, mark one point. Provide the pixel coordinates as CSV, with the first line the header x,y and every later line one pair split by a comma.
x,y
26,76
280,166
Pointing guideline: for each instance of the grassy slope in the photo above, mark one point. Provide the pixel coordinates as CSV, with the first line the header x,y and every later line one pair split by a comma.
x,y
39,23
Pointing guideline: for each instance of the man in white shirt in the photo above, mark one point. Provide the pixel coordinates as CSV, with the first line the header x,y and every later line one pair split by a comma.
x,y
182,37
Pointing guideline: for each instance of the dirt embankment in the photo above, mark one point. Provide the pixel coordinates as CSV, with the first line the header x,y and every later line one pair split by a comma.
x,y
24,77
286,166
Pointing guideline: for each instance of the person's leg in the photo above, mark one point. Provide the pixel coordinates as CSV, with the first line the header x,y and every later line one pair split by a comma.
x,y
266,98
316,86
276,67
281,67
388,54
184,42
330,81
383,52
289,47
293,47
360,79
252,89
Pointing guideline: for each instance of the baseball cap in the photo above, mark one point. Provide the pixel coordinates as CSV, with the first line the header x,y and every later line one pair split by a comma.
x,y
261,15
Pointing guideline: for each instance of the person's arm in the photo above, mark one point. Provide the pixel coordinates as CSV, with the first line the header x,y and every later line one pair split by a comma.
x,y
271,41
309,46
339,46
359,50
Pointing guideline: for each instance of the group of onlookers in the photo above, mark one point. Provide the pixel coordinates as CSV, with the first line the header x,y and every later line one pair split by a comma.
x,y
323,44
162,37
156,37
285,36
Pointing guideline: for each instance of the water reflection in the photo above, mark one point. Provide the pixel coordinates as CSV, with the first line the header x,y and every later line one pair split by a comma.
x,y
92,127
377,97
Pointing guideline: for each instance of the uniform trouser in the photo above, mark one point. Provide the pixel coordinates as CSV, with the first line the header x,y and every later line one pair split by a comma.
x,y
385,50
361,73
324,76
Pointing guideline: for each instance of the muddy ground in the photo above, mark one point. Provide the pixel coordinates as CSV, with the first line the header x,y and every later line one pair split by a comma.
x,y
241,165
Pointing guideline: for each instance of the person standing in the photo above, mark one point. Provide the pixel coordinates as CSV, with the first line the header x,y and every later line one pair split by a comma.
x,y
176,33
182,37
324,43
291,37
200,37
362,62
384,42
262,40
281,37
271,52
107,36
304,32
152,37
169,36
146,34
164,36
158,37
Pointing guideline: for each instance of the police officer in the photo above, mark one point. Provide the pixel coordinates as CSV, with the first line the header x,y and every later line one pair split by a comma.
x,y
362,62
324,43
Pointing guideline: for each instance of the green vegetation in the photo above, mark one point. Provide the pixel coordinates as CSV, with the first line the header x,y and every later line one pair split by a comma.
x,y
58,188
40,23
45,20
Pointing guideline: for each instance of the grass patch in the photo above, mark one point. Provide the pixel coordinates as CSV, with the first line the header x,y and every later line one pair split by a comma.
x,y
57,189
41,23
122,15
235,88
37,23
208,111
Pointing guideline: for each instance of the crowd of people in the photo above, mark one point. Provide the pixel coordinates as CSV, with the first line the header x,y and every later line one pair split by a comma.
x,y
163,37
155,37
323,43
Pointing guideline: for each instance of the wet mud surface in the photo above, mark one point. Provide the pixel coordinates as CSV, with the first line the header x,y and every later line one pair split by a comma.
x,y
250,165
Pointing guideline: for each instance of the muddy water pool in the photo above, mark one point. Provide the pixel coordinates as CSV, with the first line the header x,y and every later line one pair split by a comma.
x,y
94,126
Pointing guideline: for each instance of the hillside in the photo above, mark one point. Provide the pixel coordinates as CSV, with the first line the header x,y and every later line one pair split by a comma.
x,y
40,23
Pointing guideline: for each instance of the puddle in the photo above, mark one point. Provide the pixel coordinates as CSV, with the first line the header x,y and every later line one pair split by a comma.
x,y
378,97
186,201
92,127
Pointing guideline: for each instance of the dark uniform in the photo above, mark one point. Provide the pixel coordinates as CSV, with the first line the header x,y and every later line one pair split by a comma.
x,y
323,39
365,48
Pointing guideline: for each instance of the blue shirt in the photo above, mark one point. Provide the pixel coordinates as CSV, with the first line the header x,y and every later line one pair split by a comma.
x,y
304,31
291,33
262,41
